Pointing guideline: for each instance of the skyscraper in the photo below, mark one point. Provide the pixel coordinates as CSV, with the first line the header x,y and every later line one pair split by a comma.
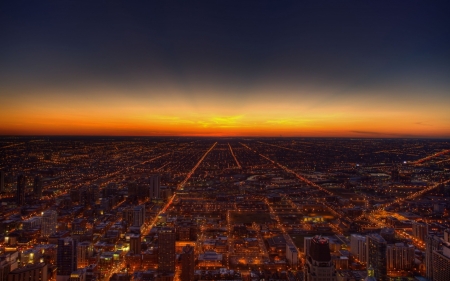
x,y
318,264
400,256
376,255
441,264
358,247
166,257
135,243
155,186
37,187
49,223
66,259
2,181
419,230
85,250
20,196
433,243
187,263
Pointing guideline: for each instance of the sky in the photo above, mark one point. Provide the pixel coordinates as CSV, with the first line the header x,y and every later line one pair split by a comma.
x,y
225,68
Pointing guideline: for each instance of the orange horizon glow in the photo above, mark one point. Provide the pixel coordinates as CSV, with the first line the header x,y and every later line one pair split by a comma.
x,y
109,112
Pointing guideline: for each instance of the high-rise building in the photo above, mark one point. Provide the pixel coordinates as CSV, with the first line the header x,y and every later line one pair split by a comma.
x,y
37,187
358,247
85,250
318,263
166,243
155,186
441,264
400,256
135,216
66,258
376,255
187,263
49,223
419,230
21,185
2,181
433,243
135,243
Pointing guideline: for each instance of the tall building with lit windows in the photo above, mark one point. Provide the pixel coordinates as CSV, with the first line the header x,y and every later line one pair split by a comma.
x,y
66,258
49,223
166,243
441,264
20,194
155,187
376,255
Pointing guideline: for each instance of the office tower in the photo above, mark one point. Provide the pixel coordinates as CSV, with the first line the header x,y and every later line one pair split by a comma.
x,y
400,256
318,263
433,243
85,250
187,263
66,259
376,255
155,186
358,247
49,223
20,195
307,245
134,216
2,181
441,264
135,243
166,257
419,230
31,272
37,187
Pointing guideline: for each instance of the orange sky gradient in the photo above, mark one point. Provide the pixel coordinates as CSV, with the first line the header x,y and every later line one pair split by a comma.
x,y
172,112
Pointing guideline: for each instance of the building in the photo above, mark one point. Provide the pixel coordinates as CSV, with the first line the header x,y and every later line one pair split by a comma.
x,y
318,263
85,250
358,247
441,264
49,223
135,216
187,263
400,256
135,243
66,259
37,187
32,223
78,275
32,272
433,243
2,181
419,230
8,262
20,194
166,257
292,255
155,187
376,255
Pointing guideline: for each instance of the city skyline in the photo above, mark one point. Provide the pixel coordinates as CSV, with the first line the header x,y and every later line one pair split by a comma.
x,y
310,69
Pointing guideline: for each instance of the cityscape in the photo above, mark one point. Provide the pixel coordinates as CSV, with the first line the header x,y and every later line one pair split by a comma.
x,y
256,140
186,208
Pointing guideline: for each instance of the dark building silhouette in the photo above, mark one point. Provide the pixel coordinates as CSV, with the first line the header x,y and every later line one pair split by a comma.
x,y
187,263
376,255
20,196
318,264
166,257
37,187
66,258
